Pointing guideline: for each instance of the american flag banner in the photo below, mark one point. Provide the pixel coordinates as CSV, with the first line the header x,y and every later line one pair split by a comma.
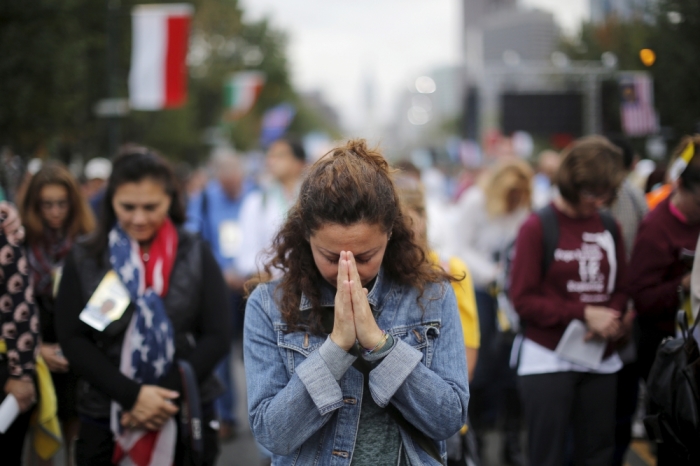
x,y
637,105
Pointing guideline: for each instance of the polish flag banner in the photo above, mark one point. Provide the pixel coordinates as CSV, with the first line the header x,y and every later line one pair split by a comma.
x,y
158,76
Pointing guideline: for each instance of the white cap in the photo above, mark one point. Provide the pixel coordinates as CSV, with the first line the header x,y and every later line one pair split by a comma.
x,y
98,168
34,165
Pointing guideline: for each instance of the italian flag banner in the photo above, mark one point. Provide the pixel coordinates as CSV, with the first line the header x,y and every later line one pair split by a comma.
x,y
158,76
241,92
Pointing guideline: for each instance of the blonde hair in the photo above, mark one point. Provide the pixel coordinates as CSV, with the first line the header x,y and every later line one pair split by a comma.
x,y
507,176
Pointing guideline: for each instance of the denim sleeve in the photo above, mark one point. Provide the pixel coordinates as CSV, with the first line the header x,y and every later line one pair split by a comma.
x,y
433,399
285,411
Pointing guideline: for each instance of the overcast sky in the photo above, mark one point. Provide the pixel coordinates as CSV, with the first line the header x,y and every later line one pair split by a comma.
x,y
337,46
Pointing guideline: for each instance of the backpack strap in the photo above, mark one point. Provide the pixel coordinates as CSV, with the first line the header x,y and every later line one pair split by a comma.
x,y
610,224
205,227
550,235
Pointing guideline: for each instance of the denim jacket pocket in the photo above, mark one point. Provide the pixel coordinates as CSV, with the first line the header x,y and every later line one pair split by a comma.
x,y
297,346
421,337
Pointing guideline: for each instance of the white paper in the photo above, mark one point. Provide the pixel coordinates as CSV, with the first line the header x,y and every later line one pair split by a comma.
x,y
573,346
9,410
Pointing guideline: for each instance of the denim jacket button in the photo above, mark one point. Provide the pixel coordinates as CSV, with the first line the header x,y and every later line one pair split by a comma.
x,y
350,401
342,454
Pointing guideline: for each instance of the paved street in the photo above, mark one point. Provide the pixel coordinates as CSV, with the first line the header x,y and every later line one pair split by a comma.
x,y
242,451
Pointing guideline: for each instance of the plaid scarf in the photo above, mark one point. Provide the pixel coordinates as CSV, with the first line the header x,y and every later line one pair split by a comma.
x,y
44,257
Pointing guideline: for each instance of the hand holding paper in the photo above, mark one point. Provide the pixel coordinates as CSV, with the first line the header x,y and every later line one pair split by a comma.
x,y
602,321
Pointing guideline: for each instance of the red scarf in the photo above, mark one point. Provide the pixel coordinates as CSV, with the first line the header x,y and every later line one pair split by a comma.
x,y
161,258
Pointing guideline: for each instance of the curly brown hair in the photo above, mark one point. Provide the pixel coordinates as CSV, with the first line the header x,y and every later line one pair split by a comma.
x,y
348,185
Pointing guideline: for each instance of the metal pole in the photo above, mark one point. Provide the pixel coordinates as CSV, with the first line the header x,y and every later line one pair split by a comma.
x,y
113,130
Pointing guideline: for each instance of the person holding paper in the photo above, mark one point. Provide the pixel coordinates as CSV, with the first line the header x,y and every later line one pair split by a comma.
x,y
159,351
19,327
568,290
660,269
54,214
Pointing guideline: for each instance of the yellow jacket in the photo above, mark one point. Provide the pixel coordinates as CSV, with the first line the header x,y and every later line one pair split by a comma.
x,y
466,302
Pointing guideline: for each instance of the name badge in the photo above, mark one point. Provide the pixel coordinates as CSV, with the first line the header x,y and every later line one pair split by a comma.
x,y
230,238
56,275
107,304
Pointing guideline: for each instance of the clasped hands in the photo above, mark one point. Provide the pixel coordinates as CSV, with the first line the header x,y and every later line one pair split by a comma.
x,y
153,407
353,316
606,323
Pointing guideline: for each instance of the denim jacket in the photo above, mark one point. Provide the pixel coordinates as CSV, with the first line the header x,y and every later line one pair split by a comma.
x,y
304,396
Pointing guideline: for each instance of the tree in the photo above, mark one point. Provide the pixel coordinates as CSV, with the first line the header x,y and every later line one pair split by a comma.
x,y
676,41
672,31
54,68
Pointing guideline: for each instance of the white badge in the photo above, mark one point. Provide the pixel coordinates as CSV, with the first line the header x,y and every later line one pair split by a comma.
x,y
230,238
107,303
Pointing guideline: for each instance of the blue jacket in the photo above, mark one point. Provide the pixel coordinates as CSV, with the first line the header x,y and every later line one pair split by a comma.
x,y
304,396
206,212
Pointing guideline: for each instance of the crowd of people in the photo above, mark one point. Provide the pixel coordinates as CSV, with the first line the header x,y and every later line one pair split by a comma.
x,y
381,323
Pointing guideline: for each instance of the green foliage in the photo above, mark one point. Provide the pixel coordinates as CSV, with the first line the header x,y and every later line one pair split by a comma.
x,y
676,71
54,68
677,68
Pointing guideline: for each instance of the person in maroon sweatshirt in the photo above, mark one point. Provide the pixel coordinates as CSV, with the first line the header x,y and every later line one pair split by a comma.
x,y
661,263
582,281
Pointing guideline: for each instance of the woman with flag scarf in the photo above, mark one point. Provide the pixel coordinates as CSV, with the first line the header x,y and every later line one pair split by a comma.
x,y
54,214
153,353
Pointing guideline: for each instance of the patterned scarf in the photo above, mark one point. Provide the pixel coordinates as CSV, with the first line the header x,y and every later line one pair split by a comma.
x,y
44,257
148,349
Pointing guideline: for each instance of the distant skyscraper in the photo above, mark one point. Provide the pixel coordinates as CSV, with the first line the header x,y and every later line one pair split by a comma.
x,y
475,10
532,34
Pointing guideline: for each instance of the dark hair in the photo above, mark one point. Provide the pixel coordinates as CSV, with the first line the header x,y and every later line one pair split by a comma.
x,y
295,146
80,220
626,148
690,177
589,163
348,185
133,165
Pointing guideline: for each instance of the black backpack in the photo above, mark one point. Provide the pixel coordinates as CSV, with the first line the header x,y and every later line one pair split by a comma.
x,y
673,387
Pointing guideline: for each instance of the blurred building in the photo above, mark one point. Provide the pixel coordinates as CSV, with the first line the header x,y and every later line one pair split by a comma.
x,y
531,34
515,80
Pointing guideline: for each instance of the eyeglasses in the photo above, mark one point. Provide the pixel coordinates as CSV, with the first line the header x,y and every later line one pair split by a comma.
x,y
603,196
61,204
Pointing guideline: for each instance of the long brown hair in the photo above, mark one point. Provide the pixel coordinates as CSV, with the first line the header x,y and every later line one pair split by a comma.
x,y
348,185
80,219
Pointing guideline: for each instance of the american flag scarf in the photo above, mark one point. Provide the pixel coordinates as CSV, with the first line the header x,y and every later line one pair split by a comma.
x,y
148,349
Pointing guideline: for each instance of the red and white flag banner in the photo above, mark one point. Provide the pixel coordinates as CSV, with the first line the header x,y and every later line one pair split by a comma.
x,y
158,76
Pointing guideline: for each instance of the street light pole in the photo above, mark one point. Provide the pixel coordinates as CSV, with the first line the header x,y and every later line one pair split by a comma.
x,y
112,18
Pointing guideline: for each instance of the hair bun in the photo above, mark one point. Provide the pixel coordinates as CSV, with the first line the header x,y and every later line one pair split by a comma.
x,y
359,148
